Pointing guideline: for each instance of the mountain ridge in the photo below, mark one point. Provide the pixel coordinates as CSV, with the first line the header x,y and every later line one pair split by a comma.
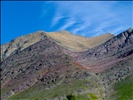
x,y
119,46
22,42
48,70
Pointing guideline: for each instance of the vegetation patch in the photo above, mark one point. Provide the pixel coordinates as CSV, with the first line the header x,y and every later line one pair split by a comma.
x,y
82,97
71,97
124,89
93,97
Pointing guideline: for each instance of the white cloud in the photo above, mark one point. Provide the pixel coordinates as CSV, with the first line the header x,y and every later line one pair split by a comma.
x,y
95,17
68,24
56,19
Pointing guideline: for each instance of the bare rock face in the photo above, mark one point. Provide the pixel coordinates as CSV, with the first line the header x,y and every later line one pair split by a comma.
x,y
112,61
30,60
105,55
21,43
40,65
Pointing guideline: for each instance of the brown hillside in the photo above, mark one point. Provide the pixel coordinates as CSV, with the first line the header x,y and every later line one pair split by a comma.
x,y
63,38
78,43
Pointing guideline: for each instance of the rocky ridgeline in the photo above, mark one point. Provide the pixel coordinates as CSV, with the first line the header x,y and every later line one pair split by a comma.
x,y
112,61
108,53
20,43
63,38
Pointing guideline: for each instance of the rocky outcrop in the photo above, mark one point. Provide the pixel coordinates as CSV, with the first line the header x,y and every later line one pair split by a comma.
x,y
48,69
105,55
118,72
111,61
20,43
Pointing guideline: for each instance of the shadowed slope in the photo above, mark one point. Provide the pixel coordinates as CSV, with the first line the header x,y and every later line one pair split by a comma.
x,y
105,55
112,62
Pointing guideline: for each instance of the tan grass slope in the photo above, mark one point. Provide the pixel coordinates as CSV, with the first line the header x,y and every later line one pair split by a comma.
x,y
78,43
63,38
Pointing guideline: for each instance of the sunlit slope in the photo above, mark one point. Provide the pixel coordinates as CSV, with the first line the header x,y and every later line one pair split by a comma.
x,y
78,43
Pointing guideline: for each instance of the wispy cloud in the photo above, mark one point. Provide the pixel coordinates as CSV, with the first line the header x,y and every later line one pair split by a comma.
x,y
67,25
89,18
56,19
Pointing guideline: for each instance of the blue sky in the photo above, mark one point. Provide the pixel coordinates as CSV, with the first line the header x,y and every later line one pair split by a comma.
x,y
85,18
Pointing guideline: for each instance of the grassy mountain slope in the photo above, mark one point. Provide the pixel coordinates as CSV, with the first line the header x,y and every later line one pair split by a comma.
x,y
78,43
124,89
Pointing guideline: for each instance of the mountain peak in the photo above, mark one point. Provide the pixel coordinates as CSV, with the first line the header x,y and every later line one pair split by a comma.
x,y
63,38
130,30
76,42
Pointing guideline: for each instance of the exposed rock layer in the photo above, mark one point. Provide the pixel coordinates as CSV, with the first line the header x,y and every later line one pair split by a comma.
x,y
40,63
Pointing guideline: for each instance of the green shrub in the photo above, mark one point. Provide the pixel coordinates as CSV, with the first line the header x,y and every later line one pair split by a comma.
x,y
56,95
71,97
